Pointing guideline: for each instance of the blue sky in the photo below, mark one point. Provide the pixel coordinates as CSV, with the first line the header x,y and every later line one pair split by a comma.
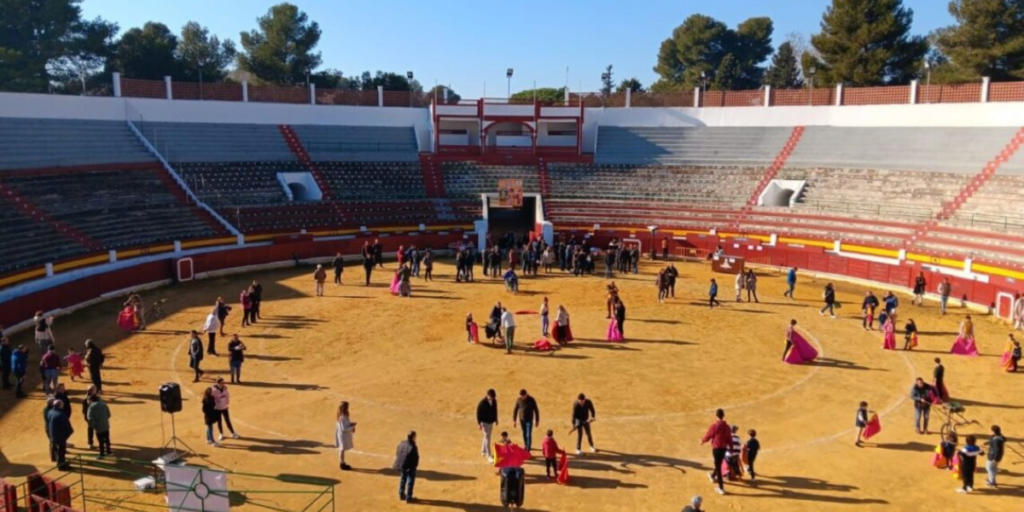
x,y
465,44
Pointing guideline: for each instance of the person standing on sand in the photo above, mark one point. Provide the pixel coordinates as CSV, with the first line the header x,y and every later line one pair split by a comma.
x,y
94,360
945,289
236,354
195,355
256,291
343,431
526,414
246,301
720,436
377,254
210,415
740,283
98,418
487,419
751,285
211,327
407,460
790,283
320,277
223,310
544,318
920,286
338,264
223,401
19,366
583,414
508,323
712,294
369,258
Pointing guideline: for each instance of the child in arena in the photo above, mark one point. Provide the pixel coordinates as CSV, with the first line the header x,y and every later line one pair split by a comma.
x,y
732,455
551,450
750,450
75,364
861,421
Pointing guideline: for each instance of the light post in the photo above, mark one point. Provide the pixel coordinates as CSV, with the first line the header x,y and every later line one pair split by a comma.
x,y
703,86
928,81
810,96
508,91
408,75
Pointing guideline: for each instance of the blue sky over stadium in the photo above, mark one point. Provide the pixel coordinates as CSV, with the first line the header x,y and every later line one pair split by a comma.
x,y
468,45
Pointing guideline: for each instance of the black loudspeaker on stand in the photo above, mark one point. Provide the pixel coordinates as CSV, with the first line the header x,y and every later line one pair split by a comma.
x,y
170,403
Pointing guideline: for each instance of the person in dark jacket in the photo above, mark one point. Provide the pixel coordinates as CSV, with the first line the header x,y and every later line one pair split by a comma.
x,y
370,258
527,415
59,428
407,459
377,254
620,316
256,293
712,294
338,264
195,355
223,310
487,418
582,414
94,360
920,286
868,307
19,365
829,296
922,395
210,415
61,395
5,361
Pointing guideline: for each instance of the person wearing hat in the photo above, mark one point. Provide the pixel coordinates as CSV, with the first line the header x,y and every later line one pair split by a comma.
x,y
694,505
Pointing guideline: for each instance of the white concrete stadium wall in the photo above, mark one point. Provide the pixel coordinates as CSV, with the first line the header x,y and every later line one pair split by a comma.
x,y
118,109
948,115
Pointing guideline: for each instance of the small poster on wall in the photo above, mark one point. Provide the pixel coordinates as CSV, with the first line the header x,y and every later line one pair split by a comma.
x,y
510,193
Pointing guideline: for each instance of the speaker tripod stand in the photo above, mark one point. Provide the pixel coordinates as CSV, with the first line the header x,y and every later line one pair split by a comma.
x,y
174,454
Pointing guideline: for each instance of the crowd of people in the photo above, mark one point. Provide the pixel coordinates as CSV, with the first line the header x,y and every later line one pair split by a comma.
x,y
731,456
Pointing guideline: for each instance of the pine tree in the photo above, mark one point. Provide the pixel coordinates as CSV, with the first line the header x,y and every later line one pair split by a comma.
x,y
866,42
784,72
701,44
988,39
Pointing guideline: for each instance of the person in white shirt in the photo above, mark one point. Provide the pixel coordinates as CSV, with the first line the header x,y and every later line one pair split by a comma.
x,y
508,322
1018,312
740,280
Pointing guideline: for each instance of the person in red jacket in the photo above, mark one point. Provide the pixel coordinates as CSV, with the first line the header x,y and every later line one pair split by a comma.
x,y
551,452
720,436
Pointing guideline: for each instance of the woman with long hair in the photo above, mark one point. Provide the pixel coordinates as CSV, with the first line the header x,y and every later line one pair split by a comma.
x,y
343,434
210,415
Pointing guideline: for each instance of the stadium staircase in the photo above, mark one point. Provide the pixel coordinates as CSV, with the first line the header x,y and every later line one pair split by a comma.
x,y
183,198
9,194
433,180
769,174
545,180
949,209
295,145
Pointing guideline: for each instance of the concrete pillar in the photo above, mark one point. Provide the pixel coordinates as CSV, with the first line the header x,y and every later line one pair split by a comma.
x,y
241,239
696,97
839,95
629,97
837,245
112,256
423,227
312,93
913,92
245,91
380,95
767,96
985,81
117,84
168,88
902,256
49,270
968,263
773,239
177,246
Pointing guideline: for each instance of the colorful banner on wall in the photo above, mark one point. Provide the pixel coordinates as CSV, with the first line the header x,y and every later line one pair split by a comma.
x,y
510,193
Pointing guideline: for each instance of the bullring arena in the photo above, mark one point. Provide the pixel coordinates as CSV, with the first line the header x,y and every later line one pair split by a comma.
x,y
213,195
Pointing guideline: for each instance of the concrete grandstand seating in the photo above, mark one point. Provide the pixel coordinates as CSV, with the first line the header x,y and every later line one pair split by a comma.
x,y
30,242
687,186
358,143
217,142
39,143
963,150
230,184
997,205
733,146
374,181
465,180
117,208
881,194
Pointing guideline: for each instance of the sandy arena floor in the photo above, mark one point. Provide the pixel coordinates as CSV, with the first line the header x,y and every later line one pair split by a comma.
x,y
404,364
